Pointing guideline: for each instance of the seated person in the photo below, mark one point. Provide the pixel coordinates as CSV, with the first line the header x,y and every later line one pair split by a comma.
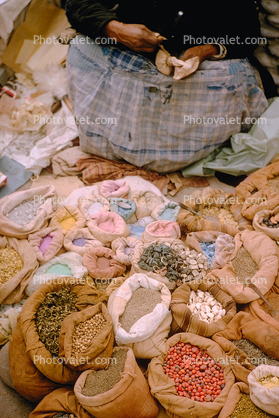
x,y
127,109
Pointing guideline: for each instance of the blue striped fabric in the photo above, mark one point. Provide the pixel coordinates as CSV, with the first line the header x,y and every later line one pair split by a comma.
x,y
128,110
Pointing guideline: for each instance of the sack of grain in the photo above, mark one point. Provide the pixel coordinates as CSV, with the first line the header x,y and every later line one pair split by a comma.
x,y
259,191
114,188
46,243
121,390
267,221
126,208
86,338
161,229
265,392
192,314
18,264
25,212
68,218
26,378
146,201
60,400
234,396
108,226
101,263
64,265
92,204
42,316
138,308
167,211
80,241
163,388
254,258
125,248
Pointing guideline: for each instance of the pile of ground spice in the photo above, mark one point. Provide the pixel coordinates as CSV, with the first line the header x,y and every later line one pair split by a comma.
x,y
10,264
142,302
243,265
50,315
246,408
100,381
24,213
256,355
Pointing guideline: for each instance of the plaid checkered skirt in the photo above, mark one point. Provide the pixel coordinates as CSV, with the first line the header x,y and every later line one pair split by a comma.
x,y
126,109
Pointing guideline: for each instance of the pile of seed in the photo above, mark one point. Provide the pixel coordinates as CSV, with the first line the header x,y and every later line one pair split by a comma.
x,y
142,302
100,381
10,264
50,315
243,265
24,213
175,263
224,216
271,221
256,355
85,331
205,306
269,381
209,250
246,408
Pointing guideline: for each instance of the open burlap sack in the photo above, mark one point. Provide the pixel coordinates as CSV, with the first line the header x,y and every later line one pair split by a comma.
x,y
166,211
45,195
27,379
125,248
108,226
161,229
93,204
55,239
101,263
60,400
37,352
68,218
146,201
114,188
130,397
80,241
261,227
234,397
126,208
13,290
115,284
263,251
96,355
257,192
185,321
163,388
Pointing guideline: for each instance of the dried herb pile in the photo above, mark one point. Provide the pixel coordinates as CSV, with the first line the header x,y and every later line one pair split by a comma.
x,y
50,315
10,264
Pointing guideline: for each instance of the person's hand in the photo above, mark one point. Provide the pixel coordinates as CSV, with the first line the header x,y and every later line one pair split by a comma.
x,y
136,37
203,52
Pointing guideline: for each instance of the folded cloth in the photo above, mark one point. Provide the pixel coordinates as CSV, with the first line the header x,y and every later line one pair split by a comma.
x,y
64,163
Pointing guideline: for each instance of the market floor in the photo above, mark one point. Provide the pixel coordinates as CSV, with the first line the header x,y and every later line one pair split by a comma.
x,y
12,405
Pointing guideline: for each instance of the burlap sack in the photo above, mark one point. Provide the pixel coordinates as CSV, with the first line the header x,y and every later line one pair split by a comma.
x,y
256,193
126,208
264,252
125,248
93,204
166,211
68,218
108,226
163,388
101,263
46,195
154,326
26,378
84,234
130,397
161,229
263,397
41,357
185,321
97,354
261,227
55,245
115,284
146,201
234,397
13,290
114,188
60,400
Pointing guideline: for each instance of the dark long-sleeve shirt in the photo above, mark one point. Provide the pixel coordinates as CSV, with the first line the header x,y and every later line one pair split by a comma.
x,y
185,23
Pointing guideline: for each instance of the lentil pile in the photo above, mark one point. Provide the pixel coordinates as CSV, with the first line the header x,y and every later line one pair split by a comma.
x,y
205,306
10,264
196,375
100,381
50,315
256,355
246,408
142,302
86,331
223,215
243,265
24,213
174,263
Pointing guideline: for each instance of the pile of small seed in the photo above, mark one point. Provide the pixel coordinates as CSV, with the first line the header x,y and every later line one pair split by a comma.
x,y
269,381
271,221
85,331
246,408
100,381
223,215
243,265
50,315
24,213
10,264
205,306
174,263
142,302
256,355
